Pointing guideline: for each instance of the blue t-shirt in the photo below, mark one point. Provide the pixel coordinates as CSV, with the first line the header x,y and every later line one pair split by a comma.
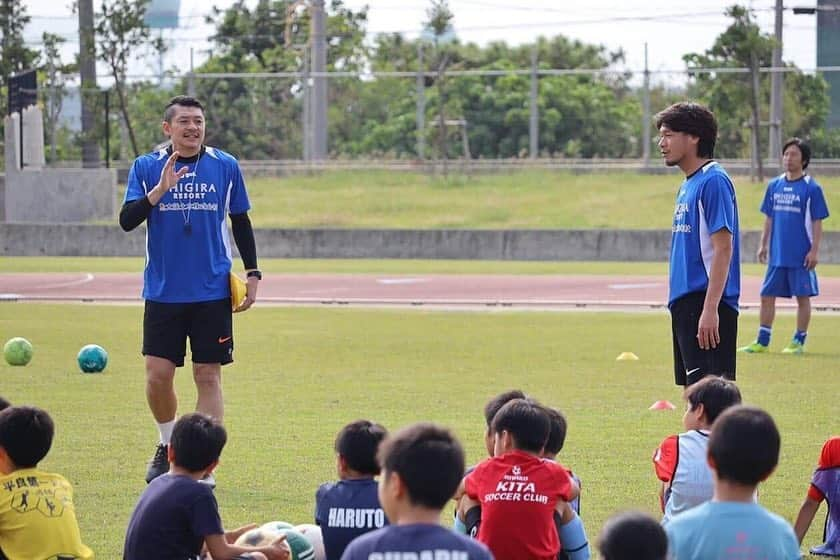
x,y
415,542
188,251
171,519
346,509
793,206
705,205
730,531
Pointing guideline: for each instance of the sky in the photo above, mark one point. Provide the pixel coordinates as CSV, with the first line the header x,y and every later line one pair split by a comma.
x,y
670,28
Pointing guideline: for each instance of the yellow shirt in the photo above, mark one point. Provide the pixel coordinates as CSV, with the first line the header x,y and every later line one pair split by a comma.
x,y
37,518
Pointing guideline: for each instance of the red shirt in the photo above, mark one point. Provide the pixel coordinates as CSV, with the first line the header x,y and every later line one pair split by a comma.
x,y
829,459
518,494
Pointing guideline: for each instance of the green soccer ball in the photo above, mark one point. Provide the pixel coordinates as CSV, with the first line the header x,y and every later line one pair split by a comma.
x,y
17,351
92,358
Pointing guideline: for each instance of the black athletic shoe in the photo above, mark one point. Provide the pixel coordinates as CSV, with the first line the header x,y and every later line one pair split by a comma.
x,y
159,464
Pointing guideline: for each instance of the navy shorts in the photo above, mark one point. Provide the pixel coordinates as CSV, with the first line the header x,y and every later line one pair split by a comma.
x,y
692,363
208,325
784,281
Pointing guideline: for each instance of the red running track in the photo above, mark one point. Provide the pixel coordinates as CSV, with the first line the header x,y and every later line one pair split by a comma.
x,y
548,291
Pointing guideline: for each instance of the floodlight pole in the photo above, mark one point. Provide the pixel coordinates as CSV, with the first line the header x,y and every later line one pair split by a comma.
x,y
421,103
646,136
775,143
533,129
87,72
319,69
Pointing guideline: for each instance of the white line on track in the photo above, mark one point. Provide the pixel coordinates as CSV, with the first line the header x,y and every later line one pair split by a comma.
x,y
635,286
88,278
391,281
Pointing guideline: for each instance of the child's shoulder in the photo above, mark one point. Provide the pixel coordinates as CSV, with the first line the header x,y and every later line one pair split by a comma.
x,y
341,487
33,477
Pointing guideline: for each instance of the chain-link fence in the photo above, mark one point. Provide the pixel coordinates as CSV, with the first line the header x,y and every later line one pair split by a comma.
x,y
476,116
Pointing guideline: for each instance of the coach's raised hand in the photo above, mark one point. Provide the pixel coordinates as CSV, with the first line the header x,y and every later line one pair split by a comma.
x,y
168,179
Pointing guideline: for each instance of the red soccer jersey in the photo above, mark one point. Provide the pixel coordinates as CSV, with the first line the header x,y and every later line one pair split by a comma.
x,y
518,494
829,459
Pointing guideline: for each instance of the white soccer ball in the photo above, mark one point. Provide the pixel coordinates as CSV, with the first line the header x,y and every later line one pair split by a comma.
x,y
315,537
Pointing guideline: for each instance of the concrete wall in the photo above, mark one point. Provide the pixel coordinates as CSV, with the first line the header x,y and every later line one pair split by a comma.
x,y
548,245
60,195
40,195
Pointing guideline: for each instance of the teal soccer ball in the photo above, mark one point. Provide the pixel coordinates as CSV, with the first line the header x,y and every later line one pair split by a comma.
x,y
92,358
17,351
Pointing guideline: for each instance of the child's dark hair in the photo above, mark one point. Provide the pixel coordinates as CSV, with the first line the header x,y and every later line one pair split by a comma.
x,y
357,442
527,421
4,404
557,431
632,535
716,394
496,403
429,460
197,440
744,445
182,101
26,433
693,119
804,148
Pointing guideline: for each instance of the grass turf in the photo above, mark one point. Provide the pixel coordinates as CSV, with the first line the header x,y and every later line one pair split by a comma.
x,y
533,199
301,374
386,266
527,199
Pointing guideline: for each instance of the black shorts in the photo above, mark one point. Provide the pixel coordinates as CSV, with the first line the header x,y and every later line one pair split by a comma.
x,y
691,363
208,324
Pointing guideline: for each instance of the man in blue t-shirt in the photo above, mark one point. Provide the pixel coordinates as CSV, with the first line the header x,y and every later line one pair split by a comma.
x,y
794,207
350,507
422,466
184,193
705,273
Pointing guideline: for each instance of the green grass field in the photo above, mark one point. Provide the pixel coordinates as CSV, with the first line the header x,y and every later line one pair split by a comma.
x,y
301,373
387,266
520,200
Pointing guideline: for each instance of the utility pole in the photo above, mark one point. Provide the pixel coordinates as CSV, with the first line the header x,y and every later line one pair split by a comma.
x,y
533,129
421,103
319,69
646,137
191,76
775,144
87,71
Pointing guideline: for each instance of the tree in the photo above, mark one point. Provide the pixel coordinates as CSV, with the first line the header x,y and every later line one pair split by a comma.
x,y
580,115
261,118
741,45
440,24
15,56
121,30
56,75
732,96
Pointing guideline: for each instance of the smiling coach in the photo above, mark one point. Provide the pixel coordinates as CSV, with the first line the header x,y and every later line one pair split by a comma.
x,y
184,193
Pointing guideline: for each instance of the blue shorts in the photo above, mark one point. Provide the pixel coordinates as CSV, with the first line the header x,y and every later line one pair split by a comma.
x,y
783,281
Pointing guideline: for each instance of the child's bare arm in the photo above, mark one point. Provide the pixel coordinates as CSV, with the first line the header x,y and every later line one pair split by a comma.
x,y
220,549
575,491
232,535
565,510
663,488
460,491
465,504
805,517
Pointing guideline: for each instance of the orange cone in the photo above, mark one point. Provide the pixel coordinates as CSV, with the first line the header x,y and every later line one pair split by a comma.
x,y
662,405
